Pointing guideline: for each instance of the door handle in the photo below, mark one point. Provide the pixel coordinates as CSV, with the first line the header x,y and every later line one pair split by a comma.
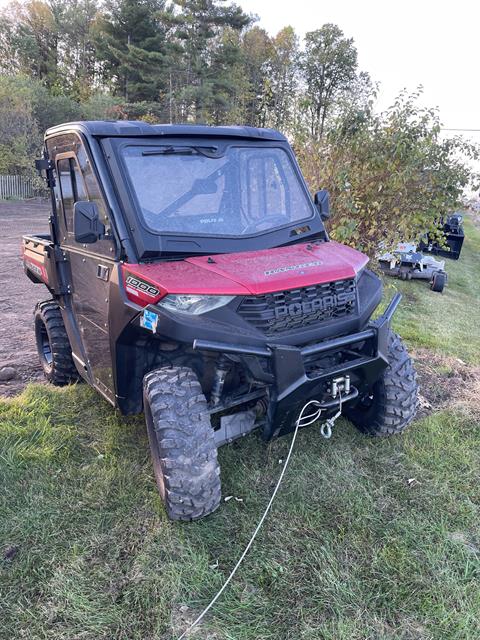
x,y
103,272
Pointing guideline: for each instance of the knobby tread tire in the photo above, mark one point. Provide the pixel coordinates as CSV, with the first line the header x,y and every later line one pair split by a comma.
x,y
183,446
61,371
395,395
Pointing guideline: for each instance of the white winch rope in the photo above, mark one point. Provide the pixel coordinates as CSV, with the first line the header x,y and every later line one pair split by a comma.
x,y
302,421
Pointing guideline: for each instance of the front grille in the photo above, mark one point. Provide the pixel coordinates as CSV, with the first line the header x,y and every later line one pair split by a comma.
x,y
298,308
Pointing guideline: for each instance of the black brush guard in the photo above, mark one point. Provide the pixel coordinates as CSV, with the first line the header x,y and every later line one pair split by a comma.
x,y
294,383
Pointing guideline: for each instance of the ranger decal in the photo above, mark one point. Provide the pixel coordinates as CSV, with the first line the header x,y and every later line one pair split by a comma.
x,y
294,267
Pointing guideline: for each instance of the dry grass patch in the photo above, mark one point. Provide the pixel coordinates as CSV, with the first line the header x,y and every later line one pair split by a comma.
x,y
446,382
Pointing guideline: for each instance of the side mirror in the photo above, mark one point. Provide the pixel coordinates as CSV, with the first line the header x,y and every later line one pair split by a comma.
x,y
322,202
86,222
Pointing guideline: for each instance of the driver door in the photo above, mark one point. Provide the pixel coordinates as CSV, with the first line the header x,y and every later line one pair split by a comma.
x,y
91,265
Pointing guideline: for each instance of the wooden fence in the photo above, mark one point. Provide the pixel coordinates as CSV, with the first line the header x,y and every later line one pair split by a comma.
x,y
20,187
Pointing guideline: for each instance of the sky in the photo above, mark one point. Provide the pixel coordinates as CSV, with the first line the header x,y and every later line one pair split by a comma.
x,y
401,44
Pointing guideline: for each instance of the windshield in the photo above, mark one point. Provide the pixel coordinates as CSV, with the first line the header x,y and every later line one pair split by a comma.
x,y
199,190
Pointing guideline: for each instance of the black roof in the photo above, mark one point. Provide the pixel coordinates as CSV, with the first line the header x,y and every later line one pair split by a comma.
x,y
113,128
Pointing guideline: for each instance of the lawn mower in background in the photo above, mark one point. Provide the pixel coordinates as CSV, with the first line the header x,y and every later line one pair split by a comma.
x,y
452,229
406,263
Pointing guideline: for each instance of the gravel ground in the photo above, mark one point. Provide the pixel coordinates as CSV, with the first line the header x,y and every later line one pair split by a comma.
x,y
18,295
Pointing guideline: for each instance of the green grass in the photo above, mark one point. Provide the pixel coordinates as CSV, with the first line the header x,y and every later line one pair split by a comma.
x,y
352,549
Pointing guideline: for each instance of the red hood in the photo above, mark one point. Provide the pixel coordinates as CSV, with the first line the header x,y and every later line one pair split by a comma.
x,y
286,267
254,272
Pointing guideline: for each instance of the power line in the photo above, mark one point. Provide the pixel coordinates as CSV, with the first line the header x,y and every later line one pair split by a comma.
x,y
447,129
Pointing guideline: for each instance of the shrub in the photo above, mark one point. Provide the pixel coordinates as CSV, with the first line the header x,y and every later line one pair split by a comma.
x,y
390,176
50,110
100,106
19,136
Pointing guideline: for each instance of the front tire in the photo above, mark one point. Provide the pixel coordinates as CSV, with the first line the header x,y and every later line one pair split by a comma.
x,y
182,443
53,345
392,403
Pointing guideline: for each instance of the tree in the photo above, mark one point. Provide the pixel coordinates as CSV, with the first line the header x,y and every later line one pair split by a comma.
x,y
283,79
52,42
30,41
50,109
329,66
257,53
202,57
78,60
19,135
130,41
8,60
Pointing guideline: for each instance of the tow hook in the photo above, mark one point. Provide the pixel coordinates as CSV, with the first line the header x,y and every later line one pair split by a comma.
x,y
327,426
339,385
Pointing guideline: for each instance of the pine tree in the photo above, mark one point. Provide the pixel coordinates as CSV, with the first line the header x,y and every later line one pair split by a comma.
x,y
130,42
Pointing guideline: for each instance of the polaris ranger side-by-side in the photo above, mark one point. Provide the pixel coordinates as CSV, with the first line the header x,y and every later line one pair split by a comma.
x,y
191,278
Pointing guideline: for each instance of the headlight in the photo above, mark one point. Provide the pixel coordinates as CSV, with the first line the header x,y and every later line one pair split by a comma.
x,y
193,305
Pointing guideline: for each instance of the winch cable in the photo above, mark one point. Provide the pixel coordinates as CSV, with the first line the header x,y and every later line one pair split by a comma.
x,y
302,421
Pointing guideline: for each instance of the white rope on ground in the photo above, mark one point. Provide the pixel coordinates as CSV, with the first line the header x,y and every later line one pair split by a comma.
x,y
302,421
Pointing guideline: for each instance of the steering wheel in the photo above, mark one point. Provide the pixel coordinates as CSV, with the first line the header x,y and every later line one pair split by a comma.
x,y
275,218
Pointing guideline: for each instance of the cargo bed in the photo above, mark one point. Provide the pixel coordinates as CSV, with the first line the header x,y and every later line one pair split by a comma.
x,y
39,258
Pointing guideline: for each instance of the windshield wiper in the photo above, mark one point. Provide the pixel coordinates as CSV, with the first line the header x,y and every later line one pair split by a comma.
x,y
209,152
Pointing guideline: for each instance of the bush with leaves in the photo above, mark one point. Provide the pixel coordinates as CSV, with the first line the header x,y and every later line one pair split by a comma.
x,y
390,176
19,135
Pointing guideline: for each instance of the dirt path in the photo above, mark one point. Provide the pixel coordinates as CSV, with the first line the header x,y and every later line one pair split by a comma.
x,y
18,295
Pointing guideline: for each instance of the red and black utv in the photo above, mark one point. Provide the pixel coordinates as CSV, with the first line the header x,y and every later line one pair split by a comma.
x,y
191,278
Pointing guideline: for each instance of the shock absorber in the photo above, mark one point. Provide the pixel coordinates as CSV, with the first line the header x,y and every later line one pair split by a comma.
x,y
219,380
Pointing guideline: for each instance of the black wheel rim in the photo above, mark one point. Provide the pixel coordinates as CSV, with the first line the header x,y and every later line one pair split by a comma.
x,y
44,345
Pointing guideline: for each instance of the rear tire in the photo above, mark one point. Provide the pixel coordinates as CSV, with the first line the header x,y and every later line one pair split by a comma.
x,y
182,443
53,345
392,403
438,282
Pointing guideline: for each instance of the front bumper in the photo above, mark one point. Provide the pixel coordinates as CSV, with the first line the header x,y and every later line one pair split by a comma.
x,y
294,381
